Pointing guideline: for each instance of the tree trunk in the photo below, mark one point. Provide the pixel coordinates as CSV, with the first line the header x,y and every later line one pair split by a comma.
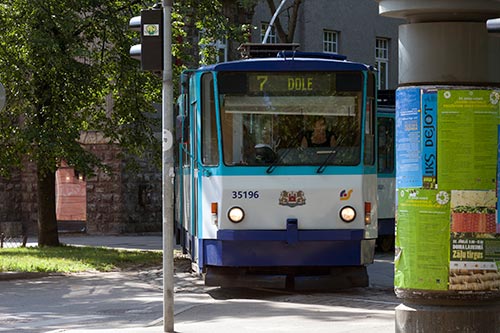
x,y
47,221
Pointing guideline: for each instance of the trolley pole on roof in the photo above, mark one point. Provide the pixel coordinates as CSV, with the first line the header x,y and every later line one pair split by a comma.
x,y
271,24
167,171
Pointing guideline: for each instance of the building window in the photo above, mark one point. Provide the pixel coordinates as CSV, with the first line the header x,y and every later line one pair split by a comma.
x,y
221,46
213,52
382,62
330,41
271,39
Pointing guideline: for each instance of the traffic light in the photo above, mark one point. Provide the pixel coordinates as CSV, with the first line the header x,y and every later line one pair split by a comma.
x,y
150,51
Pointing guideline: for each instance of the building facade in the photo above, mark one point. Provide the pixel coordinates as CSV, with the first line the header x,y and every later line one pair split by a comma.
x,y
352,28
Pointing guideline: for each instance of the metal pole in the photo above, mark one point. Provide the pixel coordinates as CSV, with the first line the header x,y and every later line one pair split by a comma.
x,y
167,171
276,13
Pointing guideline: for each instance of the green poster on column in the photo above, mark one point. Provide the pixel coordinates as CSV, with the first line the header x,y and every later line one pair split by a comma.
x,y
467,140
422,239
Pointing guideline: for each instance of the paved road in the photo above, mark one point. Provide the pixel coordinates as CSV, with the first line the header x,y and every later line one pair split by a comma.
x,y
81,300
132,302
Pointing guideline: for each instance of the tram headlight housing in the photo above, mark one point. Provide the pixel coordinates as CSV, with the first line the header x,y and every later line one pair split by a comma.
x,y
347,214
236,214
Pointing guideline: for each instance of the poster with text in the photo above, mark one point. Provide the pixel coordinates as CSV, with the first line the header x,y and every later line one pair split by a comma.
x,y
498,173
467,139
422,239
474,244
429,138
408,138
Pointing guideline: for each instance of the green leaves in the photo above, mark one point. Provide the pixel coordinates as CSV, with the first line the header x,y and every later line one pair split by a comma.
x,y
474,209
66,69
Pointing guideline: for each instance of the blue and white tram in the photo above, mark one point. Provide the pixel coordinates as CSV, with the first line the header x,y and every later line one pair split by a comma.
x,y
254,206
386,170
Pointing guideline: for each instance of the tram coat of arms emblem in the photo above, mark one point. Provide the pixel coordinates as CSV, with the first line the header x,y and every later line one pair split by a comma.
x,y
292,198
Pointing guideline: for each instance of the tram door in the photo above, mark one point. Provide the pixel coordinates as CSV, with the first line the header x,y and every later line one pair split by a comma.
x,y
199,154
186,190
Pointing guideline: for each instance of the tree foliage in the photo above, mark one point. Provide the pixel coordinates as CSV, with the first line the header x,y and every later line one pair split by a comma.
x,y
66,68
62,62
209,21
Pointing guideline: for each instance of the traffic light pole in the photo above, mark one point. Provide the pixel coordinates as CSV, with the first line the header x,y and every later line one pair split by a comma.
x,y
167,171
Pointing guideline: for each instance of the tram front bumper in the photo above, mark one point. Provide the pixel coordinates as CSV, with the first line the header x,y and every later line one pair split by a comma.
x,y
288,278
259,248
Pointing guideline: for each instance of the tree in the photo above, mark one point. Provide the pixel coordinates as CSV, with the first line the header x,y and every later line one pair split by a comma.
x,y
61,62
205,22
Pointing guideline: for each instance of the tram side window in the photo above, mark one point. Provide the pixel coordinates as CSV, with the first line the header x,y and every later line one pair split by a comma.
x,y
209,147
186,158
385,145
369,157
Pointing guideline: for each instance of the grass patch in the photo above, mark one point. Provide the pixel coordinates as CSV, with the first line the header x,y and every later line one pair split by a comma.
x,y
69,259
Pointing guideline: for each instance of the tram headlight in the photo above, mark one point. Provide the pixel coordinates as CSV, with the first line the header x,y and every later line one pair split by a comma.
x,y
347,214
236,214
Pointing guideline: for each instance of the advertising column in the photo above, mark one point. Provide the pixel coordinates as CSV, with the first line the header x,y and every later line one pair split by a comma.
x,y
447,232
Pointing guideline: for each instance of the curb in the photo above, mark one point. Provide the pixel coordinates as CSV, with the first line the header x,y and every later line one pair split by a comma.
x,y
6,276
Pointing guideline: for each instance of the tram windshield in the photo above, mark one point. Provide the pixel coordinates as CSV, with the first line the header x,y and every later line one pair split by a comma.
x,y
293,118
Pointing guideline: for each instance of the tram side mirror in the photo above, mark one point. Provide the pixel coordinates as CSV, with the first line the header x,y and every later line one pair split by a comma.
x,y
264,154
181,129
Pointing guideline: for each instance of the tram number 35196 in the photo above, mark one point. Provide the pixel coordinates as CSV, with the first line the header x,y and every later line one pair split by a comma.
x,y
245,194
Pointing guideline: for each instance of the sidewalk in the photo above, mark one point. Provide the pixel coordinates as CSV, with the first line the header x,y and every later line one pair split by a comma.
x,y
138,242
201,309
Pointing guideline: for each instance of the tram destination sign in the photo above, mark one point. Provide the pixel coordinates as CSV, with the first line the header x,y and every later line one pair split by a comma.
x,y
290,83
308,83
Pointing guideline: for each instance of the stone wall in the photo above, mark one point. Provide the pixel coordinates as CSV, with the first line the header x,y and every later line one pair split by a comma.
x,y
10,205
18,202
104,193
121,201
142,199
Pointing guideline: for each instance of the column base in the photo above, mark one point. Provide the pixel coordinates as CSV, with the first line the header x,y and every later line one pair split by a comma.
x,y
423,318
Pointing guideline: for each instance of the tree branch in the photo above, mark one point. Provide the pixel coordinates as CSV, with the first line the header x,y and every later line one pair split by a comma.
x,y
293,20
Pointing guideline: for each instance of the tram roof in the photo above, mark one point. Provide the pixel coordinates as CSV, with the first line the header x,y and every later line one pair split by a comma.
x,y
287,64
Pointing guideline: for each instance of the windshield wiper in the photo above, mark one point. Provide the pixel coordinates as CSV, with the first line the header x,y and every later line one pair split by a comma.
x,y
332,152
280,158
